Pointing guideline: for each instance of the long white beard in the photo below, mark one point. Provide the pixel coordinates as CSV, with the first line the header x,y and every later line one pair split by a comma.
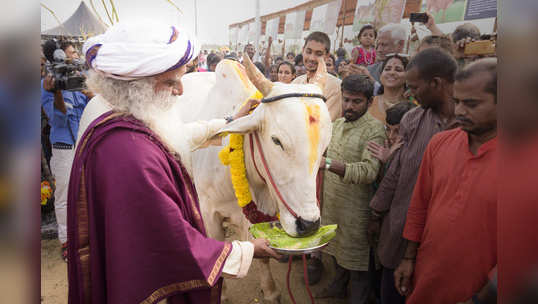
x,y
160,115
155,110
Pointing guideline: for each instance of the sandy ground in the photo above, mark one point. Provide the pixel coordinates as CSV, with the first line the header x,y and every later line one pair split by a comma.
x,y
53,273
244,291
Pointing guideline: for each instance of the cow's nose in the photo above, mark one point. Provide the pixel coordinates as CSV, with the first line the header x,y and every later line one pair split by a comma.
x,y
306,228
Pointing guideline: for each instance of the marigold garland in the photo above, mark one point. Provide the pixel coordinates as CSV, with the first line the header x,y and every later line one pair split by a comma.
x,y
234,156
46,192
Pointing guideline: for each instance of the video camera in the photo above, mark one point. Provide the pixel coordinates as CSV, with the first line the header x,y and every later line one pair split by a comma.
x,y
68,73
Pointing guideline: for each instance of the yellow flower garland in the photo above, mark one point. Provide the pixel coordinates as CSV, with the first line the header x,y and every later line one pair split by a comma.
x,y
234,156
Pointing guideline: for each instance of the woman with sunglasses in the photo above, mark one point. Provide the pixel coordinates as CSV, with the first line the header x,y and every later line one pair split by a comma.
x,y
393,86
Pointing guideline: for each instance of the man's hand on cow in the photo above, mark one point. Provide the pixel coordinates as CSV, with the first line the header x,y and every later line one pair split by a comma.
x,y
262,249
245,109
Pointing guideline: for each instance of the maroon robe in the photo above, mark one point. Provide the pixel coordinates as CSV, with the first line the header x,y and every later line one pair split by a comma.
x,y
135,233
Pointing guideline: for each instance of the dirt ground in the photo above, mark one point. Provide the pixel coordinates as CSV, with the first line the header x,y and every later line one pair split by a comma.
x,y
53,273
243,291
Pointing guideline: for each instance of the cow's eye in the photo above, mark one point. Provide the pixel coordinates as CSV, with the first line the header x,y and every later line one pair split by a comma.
x,y
277,141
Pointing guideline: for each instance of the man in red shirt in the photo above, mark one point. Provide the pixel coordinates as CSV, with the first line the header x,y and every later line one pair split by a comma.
x,y
451,224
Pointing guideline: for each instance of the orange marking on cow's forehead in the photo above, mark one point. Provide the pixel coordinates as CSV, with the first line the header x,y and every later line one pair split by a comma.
x,y
241,72
312,127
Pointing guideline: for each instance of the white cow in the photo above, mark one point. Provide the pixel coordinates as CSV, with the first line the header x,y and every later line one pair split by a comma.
x,y
293,133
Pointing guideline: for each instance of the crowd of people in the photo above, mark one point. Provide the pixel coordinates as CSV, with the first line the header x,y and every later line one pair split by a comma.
x,y
408,175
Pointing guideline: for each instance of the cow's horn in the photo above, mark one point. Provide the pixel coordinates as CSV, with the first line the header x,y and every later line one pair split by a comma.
x,y
320,77
263,84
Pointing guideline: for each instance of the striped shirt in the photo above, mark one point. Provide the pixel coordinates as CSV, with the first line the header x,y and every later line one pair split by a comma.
x,y
394,194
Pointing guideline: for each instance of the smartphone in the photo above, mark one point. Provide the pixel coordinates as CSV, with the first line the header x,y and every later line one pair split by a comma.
x,y
418,17
481,47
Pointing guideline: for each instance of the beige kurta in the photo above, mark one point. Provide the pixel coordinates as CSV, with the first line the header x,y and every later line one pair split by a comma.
x,y
346,199
331,91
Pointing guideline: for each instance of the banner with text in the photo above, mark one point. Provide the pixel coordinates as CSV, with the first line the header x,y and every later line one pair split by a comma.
x,y
388,11
331,16
289,26
252,32
271,29
317,23
243,35
294,25
480,9
364,14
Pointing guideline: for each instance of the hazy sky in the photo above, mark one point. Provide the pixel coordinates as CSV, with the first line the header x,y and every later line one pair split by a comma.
x,y
214,16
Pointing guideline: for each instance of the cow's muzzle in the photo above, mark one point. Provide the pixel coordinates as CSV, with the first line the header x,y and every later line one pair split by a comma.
x,y
306,228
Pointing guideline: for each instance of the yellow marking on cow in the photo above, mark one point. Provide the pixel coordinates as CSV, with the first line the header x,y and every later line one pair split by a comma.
x,y
240,70
312,127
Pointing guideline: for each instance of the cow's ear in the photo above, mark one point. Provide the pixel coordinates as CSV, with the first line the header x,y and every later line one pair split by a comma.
x,y
243,125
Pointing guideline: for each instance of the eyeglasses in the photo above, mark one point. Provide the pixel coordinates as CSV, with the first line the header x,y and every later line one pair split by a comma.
x,y
397,54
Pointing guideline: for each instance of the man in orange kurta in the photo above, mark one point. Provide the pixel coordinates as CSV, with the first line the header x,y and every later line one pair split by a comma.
x,y
451,224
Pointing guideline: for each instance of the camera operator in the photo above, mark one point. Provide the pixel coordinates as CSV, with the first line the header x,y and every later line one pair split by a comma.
x,y
64,109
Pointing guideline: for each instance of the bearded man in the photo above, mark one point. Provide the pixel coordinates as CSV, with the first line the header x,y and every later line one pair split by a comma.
x,y
135,233
350,171
451,224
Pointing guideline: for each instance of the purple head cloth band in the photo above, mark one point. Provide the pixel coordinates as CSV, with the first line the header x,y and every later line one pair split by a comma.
x,y
186,58
91,53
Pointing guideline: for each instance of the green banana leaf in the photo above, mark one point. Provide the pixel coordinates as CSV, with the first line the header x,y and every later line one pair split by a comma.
x,y
278,238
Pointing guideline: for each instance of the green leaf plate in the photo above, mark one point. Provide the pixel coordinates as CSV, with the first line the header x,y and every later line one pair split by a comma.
x,y
283,243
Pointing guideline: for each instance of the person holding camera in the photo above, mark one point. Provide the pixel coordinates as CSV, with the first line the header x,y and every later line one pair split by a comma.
x,y
64,109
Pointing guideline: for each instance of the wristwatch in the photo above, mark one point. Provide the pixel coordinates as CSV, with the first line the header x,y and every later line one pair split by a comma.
x,y
229,119
327,163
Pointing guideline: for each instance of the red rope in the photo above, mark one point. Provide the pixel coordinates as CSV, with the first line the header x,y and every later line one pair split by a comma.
x,y
288,279
305,279
264,162
254,159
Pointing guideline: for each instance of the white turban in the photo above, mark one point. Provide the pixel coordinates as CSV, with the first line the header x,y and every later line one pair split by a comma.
x,y
132,51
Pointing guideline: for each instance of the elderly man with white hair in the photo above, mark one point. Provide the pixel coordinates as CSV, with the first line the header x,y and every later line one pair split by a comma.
x,y
135,233
391,39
